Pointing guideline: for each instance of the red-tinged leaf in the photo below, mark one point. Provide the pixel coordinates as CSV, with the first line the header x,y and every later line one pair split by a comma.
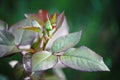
x,y
60,19
35,17
53,26
43,15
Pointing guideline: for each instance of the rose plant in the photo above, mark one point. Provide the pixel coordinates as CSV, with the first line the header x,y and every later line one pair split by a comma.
x,y
45,43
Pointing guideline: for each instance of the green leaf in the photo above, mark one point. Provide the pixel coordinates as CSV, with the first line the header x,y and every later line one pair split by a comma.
x,y
3,77
50,77
19,72
61,31
53,74
22,37
7,50
7,45
6,38
36,45
83,59
37,75
66,42
43,60
59,73
3,25
35,29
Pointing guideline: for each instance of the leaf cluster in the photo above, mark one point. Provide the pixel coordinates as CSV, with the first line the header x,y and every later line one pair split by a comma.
x,y
45,42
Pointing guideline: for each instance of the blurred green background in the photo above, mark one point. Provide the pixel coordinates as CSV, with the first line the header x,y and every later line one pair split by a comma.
x,y
98,19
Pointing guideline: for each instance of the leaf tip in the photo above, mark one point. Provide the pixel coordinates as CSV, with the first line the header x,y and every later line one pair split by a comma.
x,y
80,32
106,69
25,15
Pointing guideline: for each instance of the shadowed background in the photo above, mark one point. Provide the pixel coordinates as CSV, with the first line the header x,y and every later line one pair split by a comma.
x,y
98,19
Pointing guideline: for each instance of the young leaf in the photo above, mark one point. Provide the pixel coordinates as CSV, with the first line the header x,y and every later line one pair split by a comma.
x,y
35,29
48,25
43,60
36,18
22,37
60,19
3,25
53,18
83,59
66,42
36,45
62,31
43,15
